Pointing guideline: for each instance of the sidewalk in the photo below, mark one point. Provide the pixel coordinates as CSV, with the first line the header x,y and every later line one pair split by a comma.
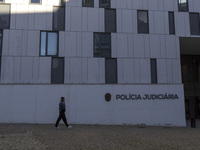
x,y
95,137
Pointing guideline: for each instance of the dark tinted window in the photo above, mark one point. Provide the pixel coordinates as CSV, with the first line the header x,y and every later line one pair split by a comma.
x,y
110,71
4,16
171,23
104,3
36,1
110,20
143,22
88,3
153,71
59,18
49,44
194,24
182,5
57,71
102,45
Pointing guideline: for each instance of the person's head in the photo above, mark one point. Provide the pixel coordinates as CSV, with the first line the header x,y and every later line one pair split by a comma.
x,y
62,99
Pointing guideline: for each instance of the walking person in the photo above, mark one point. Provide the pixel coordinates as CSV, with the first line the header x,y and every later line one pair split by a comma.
x,y
62,113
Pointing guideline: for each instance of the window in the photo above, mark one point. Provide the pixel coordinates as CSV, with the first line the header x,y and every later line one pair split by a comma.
x,y
57,71
182,5
49,44
194,24
4,16
110,20
111,71
171,23
104,3
88,3
102,45
143,22
35,1
1,38
153,71
1,1
58,18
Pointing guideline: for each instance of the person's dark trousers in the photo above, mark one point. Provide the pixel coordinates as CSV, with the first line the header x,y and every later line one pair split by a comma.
x,y
61,116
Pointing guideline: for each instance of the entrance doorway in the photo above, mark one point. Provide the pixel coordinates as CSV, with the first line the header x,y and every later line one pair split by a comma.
x,y
190,67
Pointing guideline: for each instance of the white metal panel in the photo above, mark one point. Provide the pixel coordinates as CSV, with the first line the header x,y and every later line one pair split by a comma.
x,y
101,20
128,70
7,70
61,43
121,4
87,44
196,4
162,46
13,15
102,70
17,69
161,4
153,5
93,70
24,42
180,23
145,4
171,51
5,46
93,20
84,19
75,70
159,25
41,17
187,24
113,4
31,17
67,18
79,44
71,3
135,21
79,3
151,22
191,5
120,74
138,45
127,21
49,17
26,69
169,71
176,67
44,70
146,46
119,21
67,69
122,45
35,69
33,43
76,19
129,4
154,46
168,5
96,3
162,70
114,45
70,44
84,70
15,43
145,71
22,17
137,4
137,70
130,45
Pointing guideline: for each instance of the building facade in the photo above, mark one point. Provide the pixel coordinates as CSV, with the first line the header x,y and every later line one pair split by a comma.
x,y
116,61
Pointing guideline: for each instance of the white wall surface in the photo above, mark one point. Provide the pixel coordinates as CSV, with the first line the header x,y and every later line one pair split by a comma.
x,y
86,104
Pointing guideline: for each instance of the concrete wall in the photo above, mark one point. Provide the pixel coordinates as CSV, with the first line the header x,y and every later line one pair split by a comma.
x,y
86,104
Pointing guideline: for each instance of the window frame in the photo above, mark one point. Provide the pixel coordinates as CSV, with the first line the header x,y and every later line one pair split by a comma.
x,y
46,44
147,12
110,45
181,8
35,3
172,30
100,6
87,5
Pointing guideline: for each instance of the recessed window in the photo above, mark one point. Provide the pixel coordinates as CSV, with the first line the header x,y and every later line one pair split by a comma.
x,y
88,3
4,16
58,18
57,71
102,45
110,20
49,44
171,23
143,21
182,5
104,3
194,24
36,1
153,71
111,71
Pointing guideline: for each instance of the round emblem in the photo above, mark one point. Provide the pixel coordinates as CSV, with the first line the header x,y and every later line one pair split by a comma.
x,y
108,97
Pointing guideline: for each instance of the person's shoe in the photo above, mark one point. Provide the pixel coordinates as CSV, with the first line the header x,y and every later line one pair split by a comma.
x,y
57,127
69,127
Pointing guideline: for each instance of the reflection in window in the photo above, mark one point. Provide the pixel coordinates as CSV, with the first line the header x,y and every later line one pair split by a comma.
x,y
36,1
57,71
102,45
4,16
58,18
48,45
104,3
143,22
88,3
194,24
182,5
